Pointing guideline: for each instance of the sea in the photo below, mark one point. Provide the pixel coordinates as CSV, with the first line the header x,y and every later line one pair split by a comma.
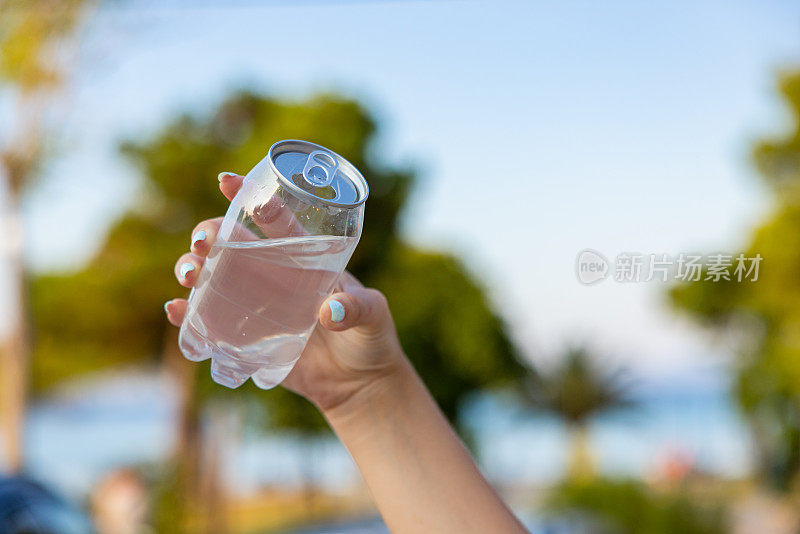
x,y
90,428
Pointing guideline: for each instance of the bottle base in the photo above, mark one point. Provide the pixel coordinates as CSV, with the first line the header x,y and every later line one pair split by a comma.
x,y
269,377
225,369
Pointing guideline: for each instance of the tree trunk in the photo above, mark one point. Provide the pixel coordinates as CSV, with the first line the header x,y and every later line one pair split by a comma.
x,y
14,355
308,448
212,490
186,456
197,453
581,463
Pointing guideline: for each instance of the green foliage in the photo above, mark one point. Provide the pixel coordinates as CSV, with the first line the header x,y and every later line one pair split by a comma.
x,y
628,507
778,160
763,317
111,312
578,390
35,41
105,315
30,33
445,325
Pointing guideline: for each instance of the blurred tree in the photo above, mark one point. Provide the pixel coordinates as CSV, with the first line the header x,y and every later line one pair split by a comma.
x,y
628,507
114,305
35,40
762,318
577,391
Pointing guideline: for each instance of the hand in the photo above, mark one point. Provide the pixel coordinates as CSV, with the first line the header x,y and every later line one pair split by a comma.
x,y
345,359
421,476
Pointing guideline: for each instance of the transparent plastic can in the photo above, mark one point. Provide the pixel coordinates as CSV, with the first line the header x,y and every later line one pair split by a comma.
x,y
284,242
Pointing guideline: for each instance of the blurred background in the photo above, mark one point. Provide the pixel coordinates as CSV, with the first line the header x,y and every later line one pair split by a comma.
x,y
499,140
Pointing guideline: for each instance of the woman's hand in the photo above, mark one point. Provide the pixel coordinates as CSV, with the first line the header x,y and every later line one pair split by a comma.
x,y
353,369
354,347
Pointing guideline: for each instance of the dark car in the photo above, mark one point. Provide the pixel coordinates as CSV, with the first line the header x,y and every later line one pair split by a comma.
x,y
27,507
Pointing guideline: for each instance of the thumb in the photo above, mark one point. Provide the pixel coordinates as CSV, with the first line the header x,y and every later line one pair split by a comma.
x,y
360,307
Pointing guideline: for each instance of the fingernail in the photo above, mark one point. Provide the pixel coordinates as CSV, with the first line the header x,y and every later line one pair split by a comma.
x,y
337,311
223,175
199,236
165,306
186,268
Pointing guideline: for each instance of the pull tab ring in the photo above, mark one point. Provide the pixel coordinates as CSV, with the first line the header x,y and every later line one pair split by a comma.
x,y
320,168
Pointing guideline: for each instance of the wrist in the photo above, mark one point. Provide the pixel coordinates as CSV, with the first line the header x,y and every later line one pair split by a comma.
x,y
375,398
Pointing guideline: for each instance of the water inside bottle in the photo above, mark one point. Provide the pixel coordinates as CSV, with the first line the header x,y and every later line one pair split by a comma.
x,y
256,303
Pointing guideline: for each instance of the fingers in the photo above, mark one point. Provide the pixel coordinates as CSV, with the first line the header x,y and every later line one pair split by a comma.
x,y
360,307
229,184
204,235
348,282
176,310
187,269
274,216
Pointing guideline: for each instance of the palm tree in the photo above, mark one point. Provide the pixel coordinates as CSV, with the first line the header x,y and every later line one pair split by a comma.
x,y
577,391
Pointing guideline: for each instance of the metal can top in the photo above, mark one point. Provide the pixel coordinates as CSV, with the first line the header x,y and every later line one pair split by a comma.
x,y
317,174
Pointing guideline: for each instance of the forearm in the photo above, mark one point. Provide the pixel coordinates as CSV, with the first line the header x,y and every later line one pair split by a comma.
x,y
420,475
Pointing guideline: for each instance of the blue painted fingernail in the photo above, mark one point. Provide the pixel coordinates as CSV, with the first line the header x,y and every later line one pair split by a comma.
x,y
199,236
186,268
337,311
165,306
223,175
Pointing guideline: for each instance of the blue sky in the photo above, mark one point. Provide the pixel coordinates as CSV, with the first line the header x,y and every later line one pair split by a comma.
x,y
538,129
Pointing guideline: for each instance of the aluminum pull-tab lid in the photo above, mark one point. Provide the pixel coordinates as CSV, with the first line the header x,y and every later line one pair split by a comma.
x,y
317,174
320,168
